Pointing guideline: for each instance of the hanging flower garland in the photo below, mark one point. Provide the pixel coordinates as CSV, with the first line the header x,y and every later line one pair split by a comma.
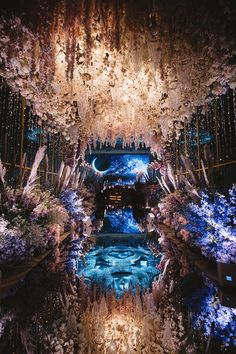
x,y
101,71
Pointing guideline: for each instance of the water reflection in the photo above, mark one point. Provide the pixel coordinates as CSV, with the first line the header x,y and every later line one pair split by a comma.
x,y
120,221
119,266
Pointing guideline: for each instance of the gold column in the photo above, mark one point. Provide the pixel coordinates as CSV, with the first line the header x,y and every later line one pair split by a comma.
x,y
176,155
40,144
40,136
185,140
22,126
216,134
198,145
53,157
63,151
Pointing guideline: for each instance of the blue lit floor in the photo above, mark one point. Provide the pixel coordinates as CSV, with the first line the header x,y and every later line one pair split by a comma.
x,y
120,221
119,267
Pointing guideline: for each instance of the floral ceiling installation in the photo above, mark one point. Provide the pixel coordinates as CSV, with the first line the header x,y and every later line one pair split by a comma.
x,y
104,69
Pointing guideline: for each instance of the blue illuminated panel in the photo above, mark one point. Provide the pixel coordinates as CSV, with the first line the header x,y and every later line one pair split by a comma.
x,y
122,167
229,278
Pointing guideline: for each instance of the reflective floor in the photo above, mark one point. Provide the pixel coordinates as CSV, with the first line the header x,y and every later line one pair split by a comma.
x,y
119,266
120,221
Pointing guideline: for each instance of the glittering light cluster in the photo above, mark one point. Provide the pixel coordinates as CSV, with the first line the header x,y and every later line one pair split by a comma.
x,y
122,333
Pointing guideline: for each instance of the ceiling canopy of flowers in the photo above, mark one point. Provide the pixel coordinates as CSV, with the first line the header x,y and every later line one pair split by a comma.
x,y
106,69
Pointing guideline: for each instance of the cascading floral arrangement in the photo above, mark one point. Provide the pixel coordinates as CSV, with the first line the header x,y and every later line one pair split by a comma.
x,y
76,188
127,69
210,316
212,225
200,216
73,203
208,225
31,220
80,206
205,220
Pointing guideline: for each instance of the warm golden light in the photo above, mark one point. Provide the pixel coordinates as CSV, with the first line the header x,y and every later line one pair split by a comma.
x,y
122,333
128,326
102,71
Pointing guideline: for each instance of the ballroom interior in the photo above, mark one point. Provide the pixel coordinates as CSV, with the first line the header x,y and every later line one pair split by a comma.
x,y
118,177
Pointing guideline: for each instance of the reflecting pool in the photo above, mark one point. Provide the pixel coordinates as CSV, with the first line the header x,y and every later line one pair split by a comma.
x,y
119,264
120,221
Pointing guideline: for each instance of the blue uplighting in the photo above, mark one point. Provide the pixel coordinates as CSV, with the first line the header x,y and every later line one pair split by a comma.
x,y
120,221
193,137
37,133
119,267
